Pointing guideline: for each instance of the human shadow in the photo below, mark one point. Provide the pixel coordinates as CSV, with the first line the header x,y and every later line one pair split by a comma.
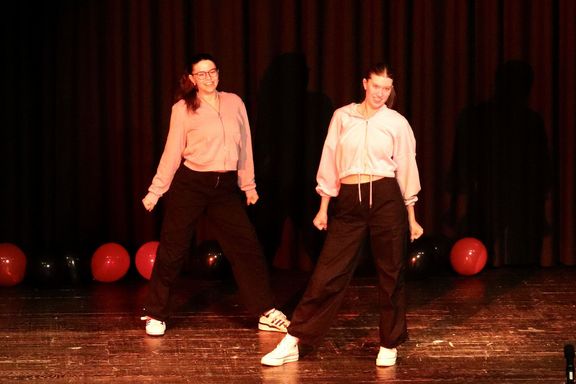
x,y
500,173
290,129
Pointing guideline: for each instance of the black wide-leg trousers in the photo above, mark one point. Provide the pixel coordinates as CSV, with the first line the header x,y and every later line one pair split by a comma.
x,y
193,194
387,224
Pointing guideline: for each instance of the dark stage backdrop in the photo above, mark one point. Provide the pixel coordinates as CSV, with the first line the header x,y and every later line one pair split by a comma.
x,y
87,88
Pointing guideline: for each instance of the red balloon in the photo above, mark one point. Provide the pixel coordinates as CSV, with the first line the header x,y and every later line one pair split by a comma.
x,y
110,262
145,257
468,256
12,265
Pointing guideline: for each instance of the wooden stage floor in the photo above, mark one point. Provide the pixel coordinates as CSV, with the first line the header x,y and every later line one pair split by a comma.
x,y
505,325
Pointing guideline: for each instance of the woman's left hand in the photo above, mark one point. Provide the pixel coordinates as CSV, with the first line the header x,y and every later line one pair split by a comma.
x,y
416,230
251,197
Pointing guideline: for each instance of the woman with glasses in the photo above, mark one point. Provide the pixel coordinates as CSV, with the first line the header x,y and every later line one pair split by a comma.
x,y
368,172
207,161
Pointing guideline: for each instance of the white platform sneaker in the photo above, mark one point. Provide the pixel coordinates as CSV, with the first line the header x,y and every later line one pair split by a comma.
x,y
154,327
386,357
285,352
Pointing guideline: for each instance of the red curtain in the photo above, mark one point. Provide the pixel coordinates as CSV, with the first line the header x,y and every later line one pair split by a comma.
x,y
88,88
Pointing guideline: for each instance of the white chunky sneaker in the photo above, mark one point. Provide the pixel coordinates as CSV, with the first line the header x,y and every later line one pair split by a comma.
x,y
274,321
154,327
285,352
386,357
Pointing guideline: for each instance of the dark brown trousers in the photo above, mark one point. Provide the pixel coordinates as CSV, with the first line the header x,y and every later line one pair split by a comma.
x,y
387,225
216,195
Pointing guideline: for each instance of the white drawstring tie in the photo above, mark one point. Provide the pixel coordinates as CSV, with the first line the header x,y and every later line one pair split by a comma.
x,y
360,191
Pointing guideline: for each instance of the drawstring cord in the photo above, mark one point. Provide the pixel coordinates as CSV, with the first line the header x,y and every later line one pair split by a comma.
x,y
370,205
364,157
360,191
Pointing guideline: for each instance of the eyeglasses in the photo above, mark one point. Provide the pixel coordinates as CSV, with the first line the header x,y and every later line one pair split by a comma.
x,y
204,75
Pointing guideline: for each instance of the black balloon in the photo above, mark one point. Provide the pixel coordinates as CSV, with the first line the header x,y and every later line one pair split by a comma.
x,y
211,258
440,247
420,259
74,268
45,270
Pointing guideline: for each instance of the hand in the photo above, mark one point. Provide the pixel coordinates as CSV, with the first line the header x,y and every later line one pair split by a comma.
x,y
251,197
416,230
149,202
321,220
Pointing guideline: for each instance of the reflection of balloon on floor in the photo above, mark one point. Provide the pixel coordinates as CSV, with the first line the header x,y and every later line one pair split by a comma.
x,y
468,256
470,290
12,265
420,259
211,258
145,257
110,262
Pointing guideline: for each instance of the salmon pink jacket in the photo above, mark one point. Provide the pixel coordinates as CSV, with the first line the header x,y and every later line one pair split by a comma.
x,y
207,140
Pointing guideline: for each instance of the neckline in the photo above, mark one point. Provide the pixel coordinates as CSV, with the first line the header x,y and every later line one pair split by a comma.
x,y
363,111
215,107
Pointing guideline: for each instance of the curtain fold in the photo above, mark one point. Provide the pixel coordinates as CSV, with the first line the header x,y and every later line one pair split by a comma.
x,y
88,88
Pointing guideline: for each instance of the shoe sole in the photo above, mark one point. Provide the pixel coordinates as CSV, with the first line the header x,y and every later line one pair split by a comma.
x,y
155,333
278,362
385,362
265,327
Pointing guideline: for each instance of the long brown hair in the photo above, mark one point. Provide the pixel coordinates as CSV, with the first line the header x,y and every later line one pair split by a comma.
x,y
188,91
383,69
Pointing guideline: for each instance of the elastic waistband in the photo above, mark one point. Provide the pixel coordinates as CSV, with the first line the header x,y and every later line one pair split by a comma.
x,y
207,173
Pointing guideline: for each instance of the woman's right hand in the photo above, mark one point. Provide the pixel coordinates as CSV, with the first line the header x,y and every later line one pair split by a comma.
x,y
149,201
321,220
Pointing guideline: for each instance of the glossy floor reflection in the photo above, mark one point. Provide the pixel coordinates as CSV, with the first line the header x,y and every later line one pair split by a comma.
x,y
503,326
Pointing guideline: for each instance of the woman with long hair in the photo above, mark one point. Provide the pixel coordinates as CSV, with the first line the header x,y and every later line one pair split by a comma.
x,y
206,162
